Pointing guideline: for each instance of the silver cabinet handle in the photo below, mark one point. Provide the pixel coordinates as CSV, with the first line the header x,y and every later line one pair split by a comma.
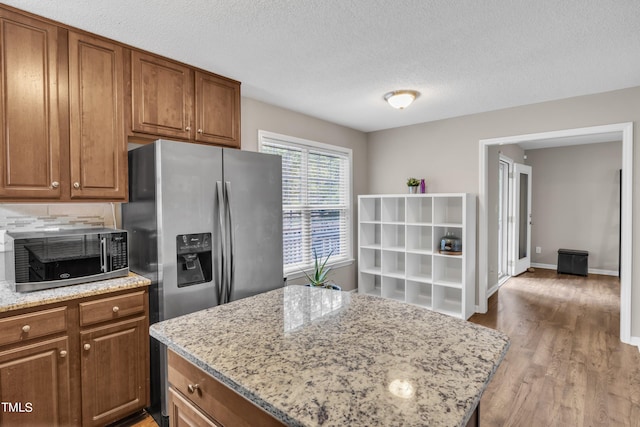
x,y
26,328
87,347
188,128
63,353
76,185
192,388
55,184
199,130
116,309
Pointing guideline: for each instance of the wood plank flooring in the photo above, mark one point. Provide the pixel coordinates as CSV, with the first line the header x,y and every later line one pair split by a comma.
x,y
566,365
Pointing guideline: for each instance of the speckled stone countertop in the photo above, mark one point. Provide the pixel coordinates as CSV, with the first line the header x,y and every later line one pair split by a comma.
x,y
318,357
11,300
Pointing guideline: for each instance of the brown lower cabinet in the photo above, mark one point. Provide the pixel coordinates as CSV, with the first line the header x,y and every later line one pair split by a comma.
x,y
114,371
184,414
198,399
82,362
35,381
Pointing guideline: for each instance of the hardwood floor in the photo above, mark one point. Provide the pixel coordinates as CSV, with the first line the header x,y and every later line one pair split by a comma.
x,y
141,419
566,365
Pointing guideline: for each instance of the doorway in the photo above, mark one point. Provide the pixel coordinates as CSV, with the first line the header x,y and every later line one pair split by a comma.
x,y
622,131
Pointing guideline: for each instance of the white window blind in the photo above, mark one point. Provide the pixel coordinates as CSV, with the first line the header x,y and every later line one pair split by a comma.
x,y
316,200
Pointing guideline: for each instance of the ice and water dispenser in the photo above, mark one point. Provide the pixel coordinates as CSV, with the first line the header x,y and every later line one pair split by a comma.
x,y
194,258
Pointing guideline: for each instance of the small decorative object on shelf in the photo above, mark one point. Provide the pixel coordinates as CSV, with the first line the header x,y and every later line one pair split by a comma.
x,y
450,244
423,186
413,184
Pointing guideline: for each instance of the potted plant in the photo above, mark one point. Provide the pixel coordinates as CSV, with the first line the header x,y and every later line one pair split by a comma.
x,y
413,184
320,272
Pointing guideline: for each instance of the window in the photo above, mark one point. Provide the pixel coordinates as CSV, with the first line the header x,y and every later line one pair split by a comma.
x,y
316,199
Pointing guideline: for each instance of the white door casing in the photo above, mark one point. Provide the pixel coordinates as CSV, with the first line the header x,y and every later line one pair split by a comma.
x,y
625,132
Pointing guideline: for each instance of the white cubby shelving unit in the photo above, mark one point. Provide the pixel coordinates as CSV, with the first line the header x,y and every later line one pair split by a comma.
x,y
398,250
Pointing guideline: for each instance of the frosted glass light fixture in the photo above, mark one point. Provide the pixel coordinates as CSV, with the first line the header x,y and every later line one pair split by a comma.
x,y
401,99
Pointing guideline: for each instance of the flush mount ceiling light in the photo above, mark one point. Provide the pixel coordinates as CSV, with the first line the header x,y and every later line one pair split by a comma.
x,y
401,99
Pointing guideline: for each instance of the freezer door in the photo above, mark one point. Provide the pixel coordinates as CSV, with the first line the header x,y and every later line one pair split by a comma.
x,y
187,204
253,187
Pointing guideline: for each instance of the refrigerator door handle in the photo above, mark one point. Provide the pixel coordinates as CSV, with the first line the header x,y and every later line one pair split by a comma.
x,y
230,275
221,242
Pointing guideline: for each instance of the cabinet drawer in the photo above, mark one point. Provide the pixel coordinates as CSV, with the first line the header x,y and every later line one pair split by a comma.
x,y
32,325
112,308
182,413
214,398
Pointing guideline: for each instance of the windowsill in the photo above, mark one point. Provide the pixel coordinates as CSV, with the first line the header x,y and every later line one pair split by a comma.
x,y
297,274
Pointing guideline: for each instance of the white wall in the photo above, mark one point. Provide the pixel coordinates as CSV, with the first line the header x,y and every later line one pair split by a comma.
x,y
576,202
257,115
446,152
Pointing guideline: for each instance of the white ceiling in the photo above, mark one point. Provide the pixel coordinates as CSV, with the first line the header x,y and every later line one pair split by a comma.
x,y
335,59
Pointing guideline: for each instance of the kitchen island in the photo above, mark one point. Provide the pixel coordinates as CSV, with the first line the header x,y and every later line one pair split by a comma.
x,y
313,356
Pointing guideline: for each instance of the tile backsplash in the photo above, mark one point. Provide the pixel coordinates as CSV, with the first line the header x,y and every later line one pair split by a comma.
x,y
32,217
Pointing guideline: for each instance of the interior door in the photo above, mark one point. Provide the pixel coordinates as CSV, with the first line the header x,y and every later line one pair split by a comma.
x,y
521,214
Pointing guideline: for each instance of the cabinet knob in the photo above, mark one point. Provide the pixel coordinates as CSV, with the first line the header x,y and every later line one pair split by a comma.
x,y
192,388
87,347
55,184
199,130
76,185
116,309
188,128
26,328
63,353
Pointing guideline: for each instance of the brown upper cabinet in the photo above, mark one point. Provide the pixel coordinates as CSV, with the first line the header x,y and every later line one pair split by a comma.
x,y
97,142
172,100
62,113
30,161
217,110
71,100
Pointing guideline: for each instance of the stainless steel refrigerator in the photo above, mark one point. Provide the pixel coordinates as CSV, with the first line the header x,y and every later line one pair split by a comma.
x,y
205,225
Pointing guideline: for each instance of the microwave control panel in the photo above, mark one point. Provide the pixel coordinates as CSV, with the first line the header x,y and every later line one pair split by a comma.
x,y
118,250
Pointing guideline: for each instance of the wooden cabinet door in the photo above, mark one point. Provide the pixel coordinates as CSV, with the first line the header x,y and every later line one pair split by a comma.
x,y
29,141
34,380
114,365
217,110
161,96
98,148
183,414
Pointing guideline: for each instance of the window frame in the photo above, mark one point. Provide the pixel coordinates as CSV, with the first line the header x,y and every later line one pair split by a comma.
x,y
306,144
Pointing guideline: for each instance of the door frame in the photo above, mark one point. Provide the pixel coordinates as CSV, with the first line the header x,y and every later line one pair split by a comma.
x,y
626,265
506,211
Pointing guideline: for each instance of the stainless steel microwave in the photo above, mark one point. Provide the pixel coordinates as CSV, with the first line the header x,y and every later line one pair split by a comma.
x,y
48,259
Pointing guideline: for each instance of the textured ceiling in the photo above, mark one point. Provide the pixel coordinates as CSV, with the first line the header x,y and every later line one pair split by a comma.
x,y
335,59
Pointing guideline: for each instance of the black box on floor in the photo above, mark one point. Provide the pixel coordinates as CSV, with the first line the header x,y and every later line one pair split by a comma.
x,y
571,261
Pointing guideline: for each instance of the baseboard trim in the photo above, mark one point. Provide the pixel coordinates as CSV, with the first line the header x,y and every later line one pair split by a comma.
x,y
635,341
591,270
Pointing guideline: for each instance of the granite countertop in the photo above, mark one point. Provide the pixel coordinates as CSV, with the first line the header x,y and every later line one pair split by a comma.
x,y
313,356
11,300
